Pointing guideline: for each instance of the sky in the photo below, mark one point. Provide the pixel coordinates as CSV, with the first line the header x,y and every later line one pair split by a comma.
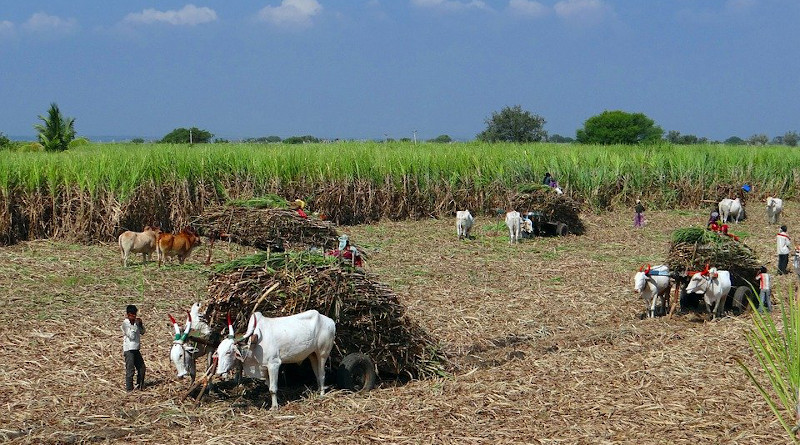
x,y
371,69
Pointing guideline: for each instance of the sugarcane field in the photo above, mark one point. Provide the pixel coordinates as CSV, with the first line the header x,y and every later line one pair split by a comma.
x,y
450,327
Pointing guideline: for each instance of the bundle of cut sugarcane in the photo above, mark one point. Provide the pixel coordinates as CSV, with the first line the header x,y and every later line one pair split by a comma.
x,y
693,248
369,318
553,206
266,228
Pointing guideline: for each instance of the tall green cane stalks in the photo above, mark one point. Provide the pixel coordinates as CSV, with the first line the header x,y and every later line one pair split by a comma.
x,y
777,348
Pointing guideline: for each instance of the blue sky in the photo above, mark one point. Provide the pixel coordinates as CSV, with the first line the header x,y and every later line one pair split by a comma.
x,y
369,68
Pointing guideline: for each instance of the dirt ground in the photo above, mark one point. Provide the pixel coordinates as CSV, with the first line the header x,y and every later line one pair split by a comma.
x,y
544,336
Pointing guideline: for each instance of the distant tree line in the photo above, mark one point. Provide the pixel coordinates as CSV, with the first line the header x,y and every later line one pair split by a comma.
x,y
511,124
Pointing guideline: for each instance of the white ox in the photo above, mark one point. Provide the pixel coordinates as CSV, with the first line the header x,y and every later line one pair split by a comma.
x,y
730,208
513,222
280,340
714,286
138,242
183,354
464,222
653,284
774,209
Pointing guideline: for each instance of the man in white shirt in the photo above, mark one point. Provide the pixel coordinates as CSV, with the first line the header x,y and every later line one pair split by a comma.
x,y
132,330
783,250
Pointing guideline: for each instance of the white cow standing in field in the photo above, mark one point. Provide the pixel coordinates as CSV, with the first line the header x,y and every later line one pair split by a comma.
x,y
464,222
513,222
653,284
138,242
280,340
774,209
731,208
715,286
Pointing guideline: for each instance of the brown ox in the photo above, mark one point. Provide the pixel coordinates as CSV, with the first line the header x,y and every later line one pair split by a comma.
x,y
138,242
179,245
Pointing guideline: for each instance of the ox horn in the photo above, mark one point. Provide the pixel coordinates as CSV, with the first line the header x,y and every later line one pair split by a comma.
x,y
230,326
647,271
188,325
175,325
641,268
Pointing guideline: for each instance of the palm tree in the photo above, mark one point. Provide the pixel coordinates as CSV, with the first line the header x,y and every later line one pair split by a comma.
x,y
57,131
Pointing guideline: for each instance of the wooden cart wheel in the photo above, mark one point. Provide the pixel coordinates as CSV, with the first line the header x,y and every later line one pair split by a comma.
x,y
356,373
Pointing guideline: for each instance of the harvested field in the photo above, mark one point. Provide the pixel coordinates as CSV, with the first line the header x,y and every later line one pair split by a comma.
x,y
544,337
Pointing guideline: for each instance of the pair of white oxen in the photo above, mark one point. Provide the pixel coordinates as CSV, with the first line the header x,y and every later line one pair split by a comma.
x,y
732,209
514,221
654,284
272,342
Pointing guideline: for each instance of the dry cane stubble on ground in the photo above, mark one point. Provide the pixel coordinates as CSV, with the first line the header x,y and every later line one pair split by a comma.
x,y
544,337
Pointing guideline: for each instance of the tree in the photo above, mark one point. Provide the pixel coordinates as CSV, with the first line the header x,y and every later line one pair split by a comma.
x,y
57,131
791,138
735,140
558,139
673,136
5,142
758,139
307,139
619,127
186,136
137,141
441,139
513,124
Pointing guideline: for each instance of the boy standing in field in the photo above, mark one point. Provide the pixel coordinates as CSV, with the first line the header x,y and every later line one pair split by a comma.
x,y
764,284
132,330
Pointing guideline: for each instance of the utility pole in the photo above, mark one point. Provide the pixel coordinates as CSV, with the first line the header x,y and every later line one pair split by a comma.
x,y
190,136
415,137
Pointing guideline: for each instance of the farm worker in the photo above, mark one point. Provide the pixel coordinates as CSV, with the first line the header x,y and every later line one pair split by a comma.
x,y
132,330
638,216
783,250
725,232
547,179
298,205
764,284
713,219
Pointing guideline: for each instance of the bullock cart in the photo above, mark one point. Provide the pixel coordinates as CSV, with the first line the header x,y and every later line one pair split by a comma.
x,y
551,214
375,339
695,249
273,229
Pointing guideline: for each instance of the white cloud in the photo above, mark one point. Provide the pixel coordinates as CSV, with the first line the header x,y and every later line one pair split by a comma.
x,y
291,13
740,6
189,15
582,11
450,5
527,8
41,22
6,28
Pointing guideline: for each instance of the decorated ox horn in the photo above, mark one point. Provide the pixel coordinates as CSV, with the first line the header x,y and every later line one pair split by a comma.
x,y
647,271
230,326
188,325
175,326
